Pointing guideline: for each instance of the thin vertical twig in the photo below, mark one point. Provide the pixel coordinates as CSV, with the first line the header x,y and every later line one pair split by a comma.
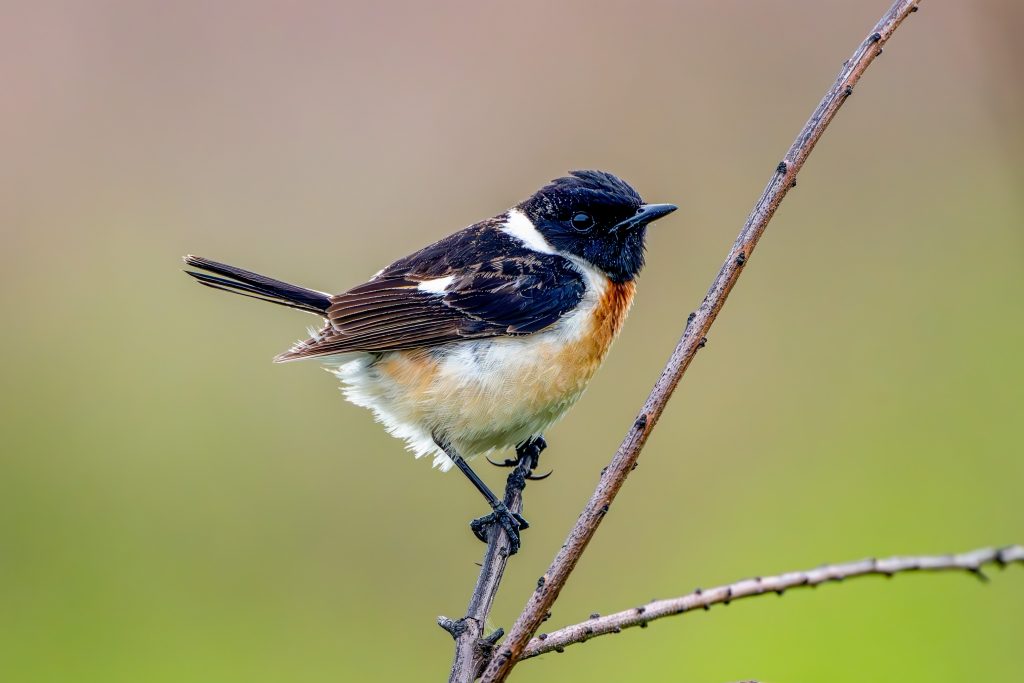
x,y
694,337
472,648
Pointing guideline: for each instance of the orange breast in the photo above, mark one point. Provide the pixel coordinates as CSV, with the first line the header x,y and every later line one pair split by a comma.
x,y
611,312
579,360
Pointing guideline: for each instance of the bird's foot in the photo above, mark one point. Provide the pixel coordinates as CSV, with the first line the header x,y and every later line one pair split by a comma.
x,y
528,449
511,522
531,449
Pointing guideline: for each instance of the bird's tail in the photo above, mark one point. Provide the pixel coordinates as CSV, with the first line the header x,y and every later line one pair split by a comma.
x,y
257,286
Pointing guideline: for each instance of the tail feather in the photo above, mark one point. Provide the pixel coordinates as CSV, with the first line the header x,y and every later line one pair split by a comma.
x,y
247,283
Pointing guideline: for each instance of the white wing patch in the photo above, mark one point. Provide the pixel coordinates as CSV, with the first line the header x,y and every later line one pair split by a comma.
x,y
522,228
437,285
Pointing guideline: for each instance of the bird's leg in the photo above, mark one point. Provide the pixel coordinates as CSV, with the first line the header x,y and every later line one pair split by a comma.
x,y
510,522
527,455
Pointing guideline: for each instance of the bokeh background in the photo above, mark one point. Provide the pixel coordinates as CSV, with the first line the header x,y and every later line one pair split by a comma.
x,y
173,507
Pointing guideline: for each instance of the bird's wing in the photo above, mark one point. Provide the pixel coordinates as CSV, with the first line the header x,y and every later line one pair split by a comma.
x,y
465,287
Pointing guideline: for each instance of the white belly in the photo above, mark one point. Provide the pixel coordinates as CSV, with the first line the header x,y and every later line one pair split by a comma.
x,y
478,395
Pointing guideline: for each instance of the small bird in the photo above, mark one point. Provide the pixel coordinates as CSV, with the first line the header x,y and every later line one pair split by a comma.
x,y
484,339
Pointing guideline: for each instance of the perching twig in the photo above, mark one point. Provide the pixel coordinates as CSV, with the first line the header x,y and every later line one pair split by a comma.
x,y
471,648
640,616
694,337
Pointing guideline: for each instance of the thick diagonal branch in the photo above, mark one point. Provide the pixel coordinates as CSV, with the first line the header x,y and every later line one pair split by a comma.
x,y
784,177
703,599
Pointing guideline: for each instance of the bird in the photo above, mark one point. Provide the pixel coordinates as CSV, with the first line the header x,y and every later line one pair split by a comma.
x,y
482,340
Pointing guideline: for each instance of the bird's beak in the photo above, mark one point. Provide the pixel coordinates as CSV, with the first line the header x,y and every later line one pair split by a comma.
x,y
647,213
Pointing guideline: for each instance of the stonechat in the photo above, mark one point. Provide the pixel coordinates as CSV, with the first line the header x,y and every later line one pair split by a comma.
x,y
481,341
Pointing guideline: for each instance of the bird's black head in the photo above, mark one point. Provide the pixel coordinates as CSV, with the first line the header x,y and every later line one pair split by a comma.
x,y
596,216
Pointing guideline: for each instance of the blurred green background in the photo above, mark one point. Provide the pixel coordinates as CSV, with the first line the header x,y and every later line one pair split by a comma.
x,y
173,507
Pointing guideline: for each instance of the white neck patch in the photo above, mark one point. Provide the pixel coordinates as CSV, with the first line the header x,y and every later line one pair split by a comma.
x,y
522,228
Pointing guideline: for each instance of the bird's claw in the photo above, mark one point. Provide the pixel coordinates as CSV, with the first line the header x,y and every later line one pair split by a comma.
x,y
530,449
511,522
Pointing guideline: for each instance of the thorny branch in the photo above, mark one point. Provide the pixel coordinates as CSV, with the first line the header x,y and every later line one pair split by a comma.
x,y
694,337
640,616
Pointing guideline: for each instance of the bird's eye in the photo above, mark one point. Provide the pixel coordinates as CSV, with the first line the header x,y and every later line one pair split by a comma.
x,y
582,221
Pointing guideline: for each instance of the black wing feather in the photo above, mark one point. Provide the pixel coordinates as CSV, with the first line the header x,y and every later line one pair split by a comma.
x,y
518,293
